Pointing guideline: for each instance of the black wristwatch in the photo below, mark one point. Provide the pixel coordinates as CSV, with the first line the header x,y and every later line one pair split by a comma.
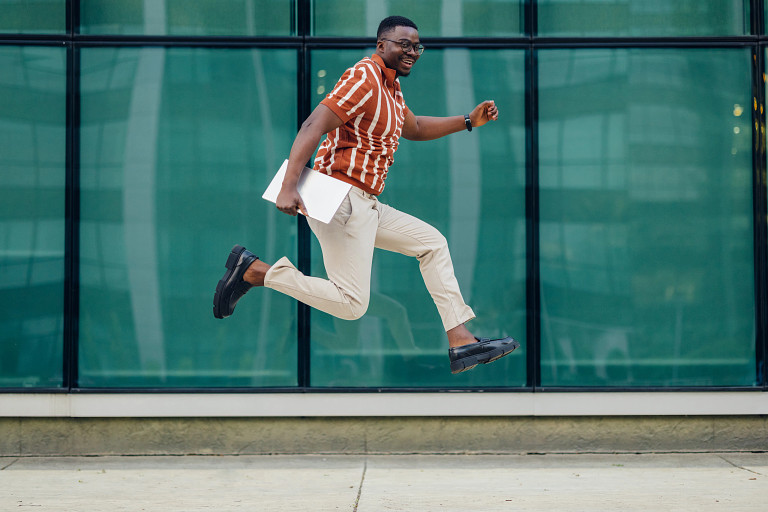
x,y
468,122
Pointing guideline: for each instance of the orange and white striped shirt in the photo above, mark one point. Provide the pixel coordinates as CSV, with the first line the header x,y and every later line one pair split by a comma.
x,y
368,99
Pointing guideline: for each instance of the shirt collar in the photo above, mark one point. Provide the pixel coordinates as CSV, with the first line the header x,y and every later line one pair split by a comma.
x,y
390,75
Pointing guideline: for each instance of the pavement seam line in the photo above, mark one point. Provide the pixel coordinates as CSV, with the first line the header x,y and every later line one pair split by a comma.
x,y
360,488
740,467
9,464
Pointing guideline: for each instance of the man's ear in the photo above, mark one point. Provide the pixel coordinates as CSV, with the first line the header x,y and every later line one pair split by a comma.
x,y
379,46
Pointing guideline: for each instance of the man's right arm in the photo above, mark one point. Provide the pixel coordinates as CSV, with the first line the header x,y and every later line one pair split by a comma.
x,y
321,121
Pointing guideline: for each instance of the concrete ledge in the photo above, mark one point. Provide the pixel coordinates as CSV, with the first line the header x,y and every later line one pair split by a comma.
x,y
371,435
446,404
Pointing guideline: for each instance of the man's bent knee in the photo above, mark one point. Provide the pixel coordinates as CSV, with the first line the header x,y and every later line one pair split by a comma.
x,y
354,310
434,244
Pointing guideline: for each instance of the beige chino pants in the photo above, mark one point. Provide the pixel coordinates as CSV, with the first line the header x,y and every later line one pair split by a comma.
x,y
347,242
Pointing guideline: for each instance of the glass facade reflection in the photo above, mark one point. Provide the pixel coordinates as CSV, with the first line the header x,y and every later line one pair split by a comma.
x,y
607,220
646,217
33,88
435,18
176,147
642,18
33,16
181,17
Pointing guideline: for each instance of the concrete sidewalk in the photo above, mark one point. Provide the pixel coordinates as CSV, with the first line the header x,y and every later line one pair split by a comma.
x,y
420,483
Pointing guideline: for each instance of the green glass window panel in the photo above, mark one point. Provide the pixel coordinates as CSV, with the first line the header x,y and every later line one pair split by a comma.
x,y
33,84
471,187
646,237
435,18
177,146
33,16
642,18
188,18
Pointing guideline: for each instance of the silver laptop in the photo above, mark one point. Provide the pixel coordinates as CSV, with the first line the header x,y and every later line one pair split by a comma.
x,y
322,195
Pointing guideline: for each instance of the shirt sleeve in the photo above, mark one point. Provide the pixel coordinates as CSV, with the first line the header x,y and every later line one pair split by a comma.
x,y
351,94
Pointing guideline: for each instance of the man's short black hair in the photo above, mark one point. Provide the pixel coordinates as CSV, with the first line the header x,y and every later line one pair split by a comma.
x,y
391,22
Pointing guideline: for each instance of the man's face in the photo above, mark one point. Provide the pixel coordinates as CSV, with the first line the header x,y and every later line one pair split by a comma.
x,y
392,53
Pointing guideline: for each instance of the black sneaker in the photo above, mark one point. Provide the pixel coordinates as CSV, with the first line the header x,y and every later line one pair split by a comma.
x,y
484,351
232,287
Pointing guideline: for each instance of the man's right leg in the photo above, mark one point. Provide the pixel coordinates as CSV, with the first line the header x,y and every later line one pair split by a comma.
x,y
347,244
405,234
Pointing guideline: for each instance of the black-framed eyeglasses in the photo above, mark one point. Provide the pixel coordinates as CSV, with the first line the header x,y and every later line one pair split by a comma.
x,y
407,46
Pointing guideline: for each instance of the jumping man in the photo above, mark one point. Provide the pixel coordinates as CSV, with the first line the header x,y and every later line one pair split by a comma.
x,y
364,117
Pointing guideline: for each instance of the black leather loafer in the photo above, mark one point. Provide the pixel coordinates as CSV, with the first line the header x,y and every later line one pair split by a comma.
x,y
485,351
231,287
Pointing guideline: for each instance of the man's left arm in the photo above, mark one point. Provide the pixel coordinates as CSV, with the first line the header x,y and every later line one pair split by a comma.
x,y
430,128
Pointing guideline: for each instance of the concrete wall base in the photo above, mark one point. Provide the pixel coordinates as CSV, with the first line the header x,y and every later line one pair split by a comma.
x,y
390,435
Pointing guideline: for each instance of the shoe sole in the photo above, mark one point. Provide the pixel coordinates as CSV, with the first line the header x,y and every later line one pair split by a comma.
x,y
231,263
469,362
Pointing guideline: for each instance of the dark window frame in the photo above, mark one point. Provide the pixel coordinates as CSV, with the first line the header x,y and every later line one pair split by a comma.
x,y
304,43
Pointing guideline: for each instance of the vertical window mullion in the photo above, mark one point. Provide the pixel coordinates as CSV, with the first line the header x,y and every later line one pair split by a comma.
x,y
72,219
757,26
759,202
304,232
72,235
533,292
